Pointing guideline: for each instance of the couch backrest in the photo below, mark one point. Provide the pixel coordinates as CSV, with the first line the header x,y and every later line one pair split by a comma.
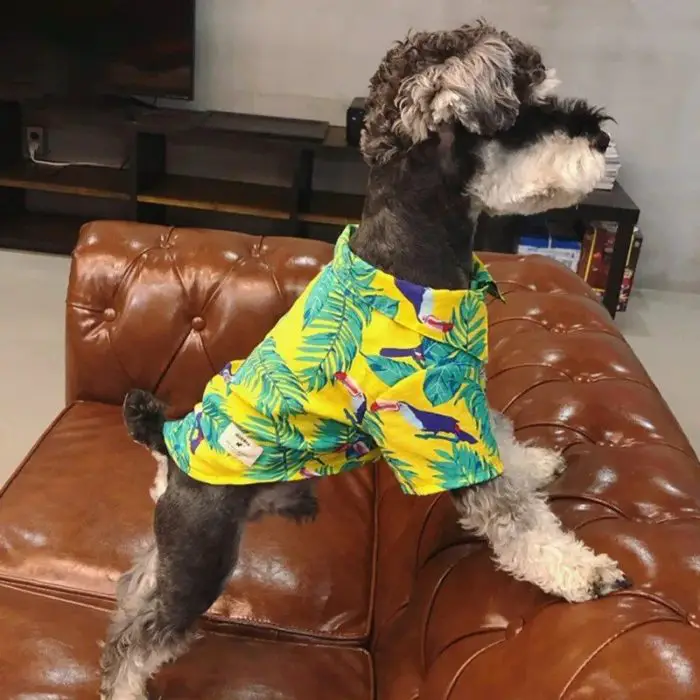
x,y
165,308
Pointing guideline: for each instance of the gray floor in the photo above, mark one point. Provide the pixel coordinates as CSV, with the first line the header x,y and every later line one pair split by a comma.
x,y
663,328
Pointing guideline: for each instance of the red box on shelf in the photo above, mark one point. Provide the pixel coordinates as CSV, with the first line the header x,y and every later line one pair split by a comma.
x,y
596,253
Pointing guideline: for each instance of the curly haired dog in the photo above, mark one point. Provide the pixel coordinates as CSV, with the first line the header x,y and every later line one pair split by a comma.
x,y
458,123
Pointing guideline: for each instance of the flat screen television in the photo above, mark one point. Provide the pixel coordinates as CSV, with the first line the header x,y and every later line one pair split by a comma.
x,y
86,48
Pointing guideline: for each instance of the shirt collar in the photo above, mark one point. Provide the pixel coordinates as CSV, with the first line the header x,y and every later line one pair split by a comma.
x,y
446,315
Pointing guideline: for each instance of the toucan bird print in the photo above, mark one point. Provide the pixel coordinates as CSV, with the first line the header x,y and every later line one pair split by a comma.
x,y
423,301
357,396
426,421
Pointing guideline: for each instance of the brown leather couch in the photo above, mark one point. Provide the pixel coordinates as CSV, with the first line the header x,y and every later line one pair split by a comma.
x,y
383,597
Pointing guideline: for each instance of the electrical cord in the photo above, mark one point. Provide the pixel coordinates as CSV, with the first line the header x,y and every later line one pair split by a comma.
x,y
33,148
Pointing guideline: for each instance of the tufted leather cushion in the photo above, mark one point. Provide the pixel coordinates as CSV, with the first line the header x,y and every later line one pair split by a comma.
x,y
48,651
163,308
78,510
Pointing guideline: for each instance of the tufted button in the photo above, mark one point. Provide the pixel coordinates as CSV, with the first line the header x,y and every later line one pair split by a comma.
x,y
198,323
109,314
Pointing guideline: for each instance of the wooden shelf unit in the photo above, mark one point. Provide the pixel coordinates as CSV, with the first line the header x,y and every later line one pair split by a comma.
x,y
150,190
333,208
82,180
219,195
144,182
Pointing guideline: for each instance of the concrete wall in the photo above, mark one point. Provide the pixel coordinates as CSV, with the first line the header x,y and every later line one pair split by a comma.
x,y
639,58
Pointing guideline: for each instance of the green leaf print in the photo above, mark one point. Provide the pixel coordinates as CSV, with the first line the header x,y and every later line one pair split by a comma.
x,y
443,382
330,342
462,466
266,375
179,436
285,451
212,421
480,278
469,329
436,353
359,271
372,425
390,371
213,404
328,435
404,472
475,400
385,305
318,295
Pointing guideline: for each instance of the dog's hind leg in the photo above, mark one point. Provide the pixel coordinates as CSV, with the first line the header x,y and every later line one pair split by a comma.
x,y
528,466
197,529
529,542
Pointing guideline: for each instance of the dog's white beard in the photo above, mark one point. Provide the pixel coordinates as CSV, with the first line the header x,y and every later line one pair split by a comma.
x,y
555,173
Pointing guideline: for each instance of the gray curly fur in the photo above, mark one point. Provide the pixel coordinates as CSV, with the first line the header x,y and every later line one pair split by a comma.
x,y
476,74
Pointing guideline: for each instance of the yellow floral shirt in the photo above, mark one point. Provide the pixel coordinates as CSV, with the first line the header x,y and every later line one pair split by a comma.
x,y
363,366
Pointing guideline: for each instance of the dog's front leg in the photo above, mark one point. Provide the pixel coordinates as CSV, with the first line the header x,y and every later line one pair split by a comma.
x,y
528,541
528,466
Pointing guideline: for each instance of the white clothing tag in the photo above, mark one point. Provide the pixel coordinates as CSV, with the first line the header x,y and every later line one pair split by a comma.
x,y
237,443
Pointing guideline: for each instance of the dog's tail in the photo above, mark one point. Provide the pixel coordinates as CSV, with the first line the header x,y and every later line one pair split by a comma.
x,y
144,416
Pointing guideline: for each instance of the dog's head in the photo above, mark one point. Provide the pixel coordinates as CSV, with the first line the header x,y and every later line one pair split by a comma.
x,y
484,98
550,158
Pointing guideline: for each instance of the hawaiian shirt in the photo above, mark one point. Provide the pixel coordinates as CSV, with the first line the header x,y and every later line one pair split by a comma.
x,y
364,365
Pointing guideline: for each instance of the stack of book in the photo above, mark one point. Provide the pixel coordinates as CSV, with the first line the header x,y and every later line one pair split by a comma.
x,y
549,238
612,168
590,257
567,252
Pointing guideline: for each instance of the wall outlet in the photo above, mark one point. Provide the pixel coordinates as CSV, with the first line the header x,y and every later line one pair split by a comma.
x,y
36,134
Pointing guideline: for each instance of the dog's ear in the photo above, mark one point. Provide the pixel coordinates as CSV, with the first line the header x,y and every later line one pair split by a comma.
x,y
475,88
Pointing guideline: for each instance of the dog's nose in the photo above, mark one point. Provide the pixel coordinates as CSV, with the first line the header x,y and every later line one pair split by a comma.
x,y
601,142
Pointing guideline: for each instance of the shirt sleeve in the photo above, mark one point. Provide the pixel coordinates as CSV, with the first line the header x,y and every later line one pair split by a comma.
x,y
435,439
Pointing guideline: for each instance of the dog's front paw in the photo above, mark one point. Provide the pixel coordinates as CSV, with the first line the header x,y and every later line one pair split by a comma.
x,y
608,578
599,578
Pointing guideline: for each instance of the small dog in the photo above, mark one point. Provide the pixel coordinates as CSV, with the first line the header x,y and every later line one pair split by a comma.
x,y
458,123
